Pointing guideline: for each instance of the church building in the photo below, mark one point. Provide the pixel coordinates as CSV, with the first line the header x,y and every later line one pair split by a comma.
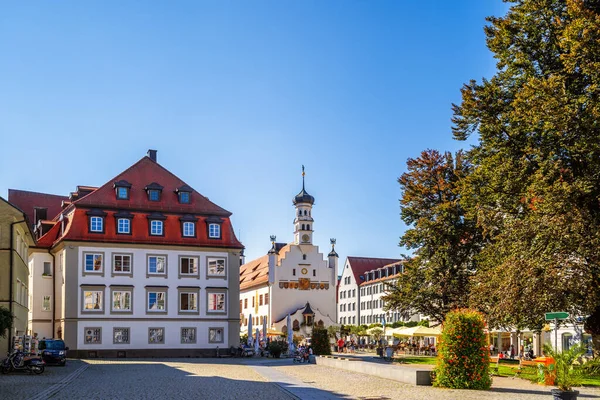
x,y
292,278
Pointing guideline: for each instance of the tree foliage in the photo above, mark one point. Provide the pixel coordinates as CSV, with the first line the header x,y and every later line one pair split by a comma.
x,y
436,279
6,321
534,187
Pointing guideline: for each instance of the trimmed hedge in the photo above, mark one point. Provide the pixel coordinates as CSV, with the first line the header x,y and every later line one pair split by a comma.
x,y
463,356
320,341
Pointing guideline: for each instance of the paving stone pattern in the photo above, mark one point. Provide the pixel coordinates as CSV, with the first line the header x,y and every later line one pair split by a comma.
x,y
247,379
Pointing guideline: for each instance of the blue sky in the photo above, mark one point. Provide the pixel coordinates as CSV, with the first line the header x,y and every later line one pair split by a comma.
x,y
236,96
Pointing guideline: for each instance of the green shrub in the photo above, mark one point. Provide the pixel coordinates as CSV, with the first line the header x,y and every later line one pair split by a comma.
x,y
276,347
320,341
564,370
463,356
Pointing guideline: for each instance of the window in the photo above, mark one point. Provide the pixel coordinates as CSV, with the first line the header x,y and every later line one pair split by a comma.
x,y
241,304
188,301
156,335
93,262
46,303
154,195
157,265
47,269
216,267
353,292
188,335
156,228
314,272
121,300
260,300
189,229
294,271
216,302
304,256
122,263
96,224
266,298
214,231
121,335
246,303
157,301
123,225
215,335
92,300
92,335
188,266
252,301
353,306
122,193
184,197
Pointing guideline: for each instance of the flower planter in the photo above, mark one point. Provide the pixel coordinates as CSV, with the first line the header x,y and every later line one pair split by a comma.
x,y
558,394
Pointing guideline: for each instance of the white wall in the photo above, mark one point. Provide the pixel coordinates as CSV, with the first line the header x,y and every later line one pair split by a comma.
x,y
40,286
346,298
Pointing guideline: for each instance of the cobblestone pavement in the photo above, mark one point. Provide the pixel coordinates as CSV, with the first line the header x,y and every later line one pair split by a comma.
x,y
248,379
170,379
22,385
352,385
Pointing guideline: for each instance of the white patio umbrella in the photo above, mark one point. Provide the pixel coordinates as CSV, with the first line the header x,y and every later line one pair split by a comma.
x,y
256,341
249,341
290,334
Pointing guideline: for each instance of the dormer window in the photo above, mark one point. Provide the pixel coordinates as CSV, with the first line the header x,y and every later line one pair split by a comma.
x,y
123,222
153,191
96,220
185,194
214,227
188,226
122,189
156,224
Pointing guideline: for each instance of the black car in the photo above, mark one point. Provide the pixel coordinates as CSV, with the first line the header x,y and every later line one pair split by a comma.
x,y
53,351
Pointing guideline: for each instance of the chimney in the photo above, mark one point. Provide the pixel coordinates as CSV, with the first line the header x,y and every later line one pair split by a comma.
x,y
40,213
152,155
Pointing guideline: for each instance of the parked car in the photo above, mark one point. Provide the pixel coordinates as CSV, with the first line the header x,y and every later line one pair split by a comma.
x,y
53,351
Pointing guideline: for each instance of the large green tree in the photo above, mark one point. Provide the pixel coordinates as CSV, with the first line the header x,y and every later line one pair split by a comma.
x,y
535,184
436,279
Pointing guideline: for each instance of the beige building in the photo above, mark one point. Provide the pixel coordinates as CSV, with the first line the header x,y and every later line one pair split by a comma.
x,y
15,240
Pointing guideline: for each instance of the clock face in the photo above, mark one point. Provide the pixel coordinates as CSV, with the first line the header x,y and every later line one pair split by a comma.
x,y
305,238
304,271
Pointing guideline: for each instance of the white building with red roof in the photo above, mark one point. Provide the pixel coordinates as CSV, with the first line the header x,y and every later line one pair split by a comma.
x,y
361,288
143,265
292,278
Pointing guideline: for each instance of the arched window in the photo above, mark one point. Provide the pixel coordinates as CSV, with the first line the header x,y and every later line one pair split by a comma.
x,y
284,329
320,323
303,227
296,325
304,212
308,227
299,213
304,256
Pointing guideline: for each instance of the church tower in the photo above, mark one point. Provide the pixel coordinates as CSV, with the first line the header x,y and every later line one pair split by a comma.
x,y
303,222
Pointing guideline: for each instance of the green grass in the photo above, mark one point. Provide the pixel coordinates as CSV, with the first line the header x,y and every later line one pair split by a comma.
x,y
507,368
415,360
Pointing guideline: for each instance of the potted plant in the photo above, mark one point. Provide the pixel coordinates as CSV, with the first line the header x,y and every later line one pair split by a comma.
x,y
566,375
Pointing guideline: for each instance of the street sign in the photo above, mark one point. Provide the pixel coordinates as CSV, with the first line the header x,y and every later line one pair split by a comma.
x,y
556,315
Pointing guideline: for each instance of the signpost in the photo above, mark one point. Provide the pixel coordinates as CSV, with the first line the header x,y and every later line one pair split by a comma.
x,y
556,316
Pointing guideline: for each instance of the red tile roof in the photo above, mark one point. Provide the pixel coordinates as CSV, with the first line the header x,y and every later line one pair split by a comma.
x,y
27,201
360,265
141,174
256,272
138,206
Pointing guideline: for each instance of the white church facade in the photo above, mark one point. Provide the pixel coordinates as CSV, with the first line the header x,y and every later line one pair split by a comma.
x,y
292,278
